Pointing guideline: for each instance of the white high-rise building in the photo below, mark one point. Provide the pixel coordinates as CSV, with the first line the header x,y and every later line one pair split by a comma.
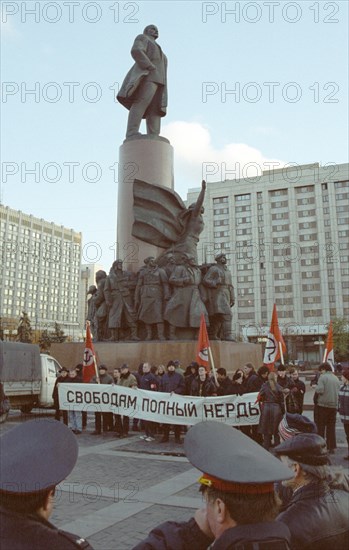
x,y
286,236
40,272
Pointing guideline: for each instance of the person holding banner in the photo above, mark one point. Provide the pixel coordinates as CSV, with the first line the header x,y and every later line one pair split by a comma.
x,y
104,378
148,382
172,382
203,384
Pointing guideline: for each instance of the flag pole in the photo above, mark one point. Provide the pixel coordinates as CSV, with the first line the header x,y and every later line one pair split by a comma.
x,y
94,359
213,366
281,353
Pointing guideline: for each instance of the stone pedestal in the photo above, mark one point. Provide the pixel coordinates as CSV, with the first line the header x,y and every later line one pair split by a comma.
x,y
230,355
150,160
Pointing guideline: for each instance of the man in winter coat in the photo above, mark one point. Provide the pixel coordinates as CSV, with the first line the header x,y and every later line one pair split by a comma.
x,y
203,385
343,404
327,390
317,515
240,503
126,380
172,382
63,377
148,382
225,385
252,382
107,418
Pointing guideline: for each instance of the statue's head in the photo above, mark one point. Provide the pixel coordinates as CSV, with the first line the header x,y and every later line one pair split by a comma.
x,y
151,30
92,290
100,275
170,259
193,205
150,261
221,258
117,265
190,260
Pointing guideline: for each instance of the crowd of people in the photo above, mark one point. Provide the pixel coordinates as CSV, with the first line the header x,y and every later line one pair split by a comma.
x,y
278,392
289,497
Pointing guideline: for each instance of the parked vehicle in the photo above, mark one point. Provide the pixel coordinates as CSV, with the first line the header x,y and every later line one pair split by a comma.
x,y
28,376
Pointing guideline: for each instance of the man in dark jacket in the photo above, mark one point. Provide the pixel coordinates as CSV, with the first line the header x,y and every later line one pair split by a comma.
x,y
240,503
252,382
148,382
172,382
203,385
107,418
45,453
63,377
225,385
317,515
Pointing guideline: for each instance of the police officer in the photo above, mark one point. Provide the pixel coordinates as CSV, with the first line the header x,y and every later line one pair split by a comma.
x,y
238,487
35,457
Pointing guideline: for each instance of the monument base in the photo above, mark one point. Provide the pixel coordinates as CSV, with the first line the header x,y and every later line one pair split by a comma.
x,y
230,355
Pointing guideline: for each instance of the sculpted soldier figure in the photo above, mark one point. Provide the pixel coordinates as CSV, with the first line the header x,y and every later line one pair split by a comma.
x,y
144,90
119,301
170,264
101,313
220,298
185,305
91,310
151,291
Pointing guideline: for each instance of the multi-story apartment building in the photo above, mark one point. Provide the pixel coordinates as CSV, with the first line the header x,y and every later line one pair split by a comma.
x,y
286,235
40,272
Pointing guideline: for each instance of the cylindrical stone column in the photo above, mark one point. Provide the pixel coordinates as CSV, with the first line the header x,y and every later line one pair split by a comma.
x,y
150,160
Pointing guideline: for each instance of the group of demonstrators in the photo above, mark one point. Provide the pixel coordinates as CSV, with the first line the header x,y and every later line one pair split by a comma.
x,y
278,392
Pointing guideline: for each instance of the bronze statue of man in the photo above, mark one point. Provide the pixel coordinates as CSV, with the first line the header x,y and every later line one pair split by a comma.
x,y
220,299
91,310
101,313
152,291
119,301
185,306
144,90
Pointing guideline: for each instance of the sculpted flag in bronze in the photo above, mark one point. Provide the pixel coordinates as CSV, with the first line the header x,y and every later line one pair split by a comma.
x,y
162,219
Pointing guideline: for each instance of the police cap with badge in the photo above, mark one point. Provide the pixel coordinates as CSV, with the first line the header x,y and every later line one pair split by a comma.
x,y
35,457
231,461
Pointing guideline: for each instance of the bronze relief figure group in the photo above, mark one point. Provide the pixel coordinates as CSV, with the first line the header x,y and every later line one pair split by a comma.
x,y
160,303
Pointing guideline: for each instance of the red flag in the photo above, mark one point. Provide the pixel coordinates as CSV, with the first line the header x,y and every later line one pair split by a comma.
x,y
203,345
275,346
89,361
329,354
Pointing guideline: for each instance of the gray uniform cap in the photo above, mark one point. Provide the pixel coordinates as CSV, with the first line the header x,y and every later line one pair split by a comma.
x,y
226,453
35,456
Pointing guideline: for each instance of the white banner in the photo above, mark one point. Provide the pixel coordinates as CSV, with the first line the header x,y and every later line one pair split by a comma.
x,y
160,407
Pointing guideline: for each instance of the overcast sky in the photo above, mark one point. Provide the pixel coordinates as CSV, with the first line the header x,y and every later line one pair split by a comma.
x,y
248,82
